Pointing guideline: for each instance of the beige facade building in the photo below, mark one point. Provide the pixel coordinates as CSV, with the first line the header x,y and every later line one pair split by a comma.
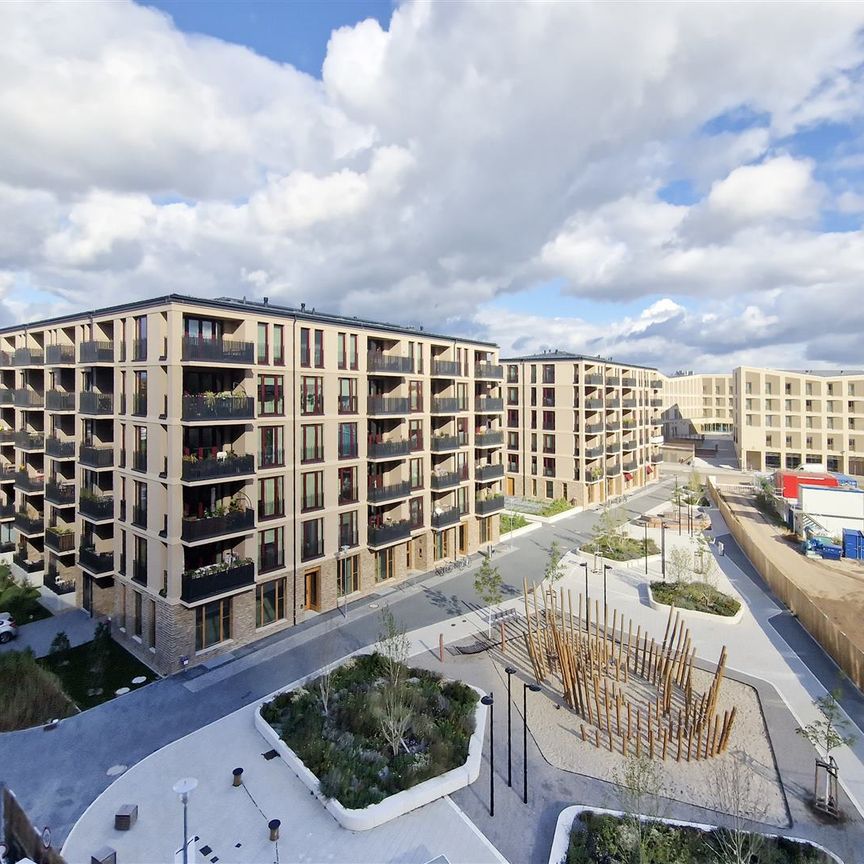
x,y
694,404
785,418
580,428
209,472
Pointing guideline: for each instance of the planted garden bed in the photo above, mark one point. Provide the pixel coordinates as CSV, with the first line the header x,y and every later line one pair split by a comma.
x,y
697,596
622,549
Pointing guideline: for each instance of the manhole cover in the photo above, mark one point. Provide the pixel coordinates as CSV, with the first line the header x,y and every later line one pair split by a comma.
x,y
122,691
373,605
139,679
116,770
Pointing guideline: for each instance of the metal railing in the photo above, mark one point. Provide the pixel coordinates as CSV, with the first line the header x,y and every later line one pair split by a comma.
x,y
96,403
394,365
58,355
96,351
95,562
445,368
388,449
378,493
56,400
214,526
233,465
97,507
218,350
380,535
488,370
443,443
379,405
96,456
201,407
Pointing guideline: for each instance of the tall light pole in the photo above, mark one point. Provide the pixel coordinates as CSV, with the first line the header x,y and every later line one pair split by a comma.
x,y
510,671
489,701
606,569
584,565
184,788
534,688
663,549
646,546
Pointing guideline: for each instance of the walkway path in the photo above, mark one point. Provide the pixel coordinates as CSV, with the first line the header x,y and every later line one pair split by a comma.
x,y
75,623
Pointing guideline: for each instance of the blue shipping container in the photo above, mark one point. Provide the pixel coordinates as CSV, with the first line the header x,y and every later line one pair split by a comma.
x,y
832,553
853,543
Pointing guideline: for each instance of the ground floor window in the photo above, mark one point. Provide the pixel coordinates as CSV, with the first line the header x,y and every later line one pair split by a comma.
x,y
485,533
348,580
212,623
441,545
151,605
269,602
384,565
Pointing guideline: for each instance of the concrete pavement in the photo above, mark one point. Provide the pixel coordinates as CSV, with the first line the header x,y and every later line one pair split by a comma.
x,y
75,623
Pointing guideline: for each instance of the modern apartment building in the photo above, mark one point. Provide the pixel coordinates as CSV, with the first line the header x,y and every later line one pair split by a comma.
x,y
694,404
209,472
786,418
580,428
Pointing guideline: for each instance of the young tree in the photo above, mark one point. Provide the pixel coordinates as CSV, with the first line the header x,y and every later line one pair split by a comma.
x,y
677,500
393,645
488,585
394,715
100,651
60,643
606,531
641,786
554,568
693,489
393,707
735,795
679,565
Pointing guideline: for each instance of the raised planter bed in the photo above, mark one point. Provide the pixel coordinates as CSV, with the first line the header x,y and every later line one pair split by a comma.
x,y
697,613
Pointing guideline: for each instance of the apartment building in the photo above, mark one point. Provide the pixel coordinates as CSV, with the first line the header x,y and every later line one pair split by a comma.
x,y
694,404
209,472
785,418
580,428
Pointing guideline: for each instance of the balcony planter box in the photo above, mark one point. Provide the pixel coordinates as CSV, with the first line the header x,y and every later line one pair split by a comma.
x,y
446,518
232,465
490,505
384,534
388,449
217,579
394,365
61,542
490,472
96,506
218,407
218,351
96,562
231,522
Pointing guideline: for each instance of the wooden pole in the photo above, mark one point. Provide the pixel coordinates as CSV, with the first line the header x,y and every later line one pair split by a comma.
x,y
665,742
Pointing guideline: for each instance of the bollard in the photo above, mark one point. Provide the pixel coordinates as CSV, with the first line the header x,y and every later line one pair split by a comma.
x,y
441,647
238,776
273,825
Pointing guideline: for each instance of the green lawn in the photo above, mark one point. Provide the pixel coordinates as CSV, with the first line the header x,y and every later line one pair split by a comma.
x,y
698,596
512,521
20,598
553,508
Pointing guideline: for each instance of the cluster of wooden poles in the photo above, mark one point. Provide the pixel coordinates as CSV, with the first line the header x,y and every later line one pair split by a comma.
x,y
593,661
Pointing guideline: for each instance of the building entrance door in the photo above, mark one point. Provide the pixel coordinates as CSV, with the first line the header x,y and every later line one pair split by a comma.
x,y
313,578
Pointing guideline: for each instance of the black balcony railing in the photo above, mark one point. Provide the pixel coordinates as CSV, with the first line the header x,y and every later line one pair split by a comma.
x,y
60,541
101,456
218,351
60,494
96,562
30,440
7,436
98,507
447,480
233,465
232,522
56,400
139,461
383,405
210,407
7,473
28,357
57,355
613,403
217,579
488,370
489,472
487,405
392,365
488,439
378,493
446,368
59,584
388,449
448,405
7,511
24,398
614,468
96,403
27,524
381,535
28,565
96,352
28,483
594,428
593,452
446,518
594,380
443,443
139,404
485,506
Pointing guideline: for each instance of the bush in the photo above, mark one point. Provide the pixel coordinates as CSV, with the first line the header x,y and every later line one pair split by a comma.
x,y
698,596
29,694
60,643
553,508
20,598
627,548
512,522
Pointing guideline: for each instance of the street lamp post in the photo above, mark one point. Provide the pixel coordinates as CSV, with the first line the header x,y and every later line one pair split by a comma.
x,y
534,688
646,546
606,569
663,549
584,565
184,788
490,702
510,671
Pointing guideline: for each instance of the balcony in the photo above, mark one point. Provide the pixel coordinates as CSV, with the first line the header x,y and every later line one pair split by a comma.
x,y
218,407
28,357
5,359
593,452
630,445
489,370
593,428
56,400
24,398
489,472
139,404
614,468
445,369
485,506
59,584
32,441
231,465
7,397
488,405
594,404
389,365
96,352
97,508
628,382
488,439
29,525
60,540
60,494
26,564
613,425
629,403
445,518
59,355
594,380
448,479
96,403
7,474
656,403
656,383
217,579
378,406
612,381
383,535
217,351
631,465
656,457
7,511
98,563
613,447
443,443
207,527
449,405
379,493
93,456
388,449
26,483
613,403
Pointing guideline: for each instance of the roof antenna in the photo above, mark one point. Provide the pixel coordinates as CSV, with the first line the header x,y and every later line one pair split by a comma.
x,y
266,300
302,307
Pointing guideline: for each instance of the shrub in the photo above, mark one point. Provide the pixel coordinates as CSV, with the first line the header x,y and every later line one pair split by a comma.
x,y
29,694
699,596
60,644
627,549
553,508
512,522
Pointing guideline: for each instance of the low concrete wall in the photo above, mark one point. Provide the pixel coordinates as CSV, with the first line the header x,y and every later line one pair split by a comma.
x,y
394,805
551,520
695,614
835,642
632,564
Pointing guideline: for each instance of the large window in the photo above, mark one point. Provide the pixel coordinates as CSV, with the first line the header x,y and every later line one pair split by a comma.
x,y
347,485
212,623
341,351
415,434
347,395
269,602
139,346
312,494
415,471
271,498
312,443
263,347
272,452
347,440
415,395
348,529
318,349
304,346
278,345
348,580
415,512
139,614
312,539
352,351
271,399
384,565
271,550
312,395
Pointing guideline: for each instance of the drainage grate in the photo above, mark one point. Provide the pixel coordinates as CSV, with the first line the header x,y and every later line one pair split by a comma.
x,y
270,754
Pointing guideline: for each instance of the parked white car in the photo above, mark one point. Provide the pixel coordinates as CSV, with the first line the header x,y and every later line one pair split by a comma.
x,y
8,627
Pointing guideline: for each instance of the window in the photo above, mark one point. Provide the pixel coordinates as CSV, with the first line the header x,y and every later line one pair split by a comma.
x,y
512,374
440,545
278,345
347,440
139,399
415,512
269,602
270,395
512,463
312,490
415,434
549,420
139,509
318,349
462,397
313,539
550,489
485,531
513,418
548,443
139,453
548,467
548,374
263,347
137,623
312,395
271,550
548,397
347,485
341,352
384,565
347,395
304,347
512,395
272,452
139,346
512,440
462,500
348,580
271,498
212,623
416,473
348,529
533,374
353,362
312,443
415,395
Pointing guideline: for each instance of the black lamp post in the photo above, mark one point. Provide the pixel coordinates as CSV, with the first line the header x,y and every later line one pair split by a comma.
x,y
584,565
663,549
490,701
510,671
646,546
534,688
606,569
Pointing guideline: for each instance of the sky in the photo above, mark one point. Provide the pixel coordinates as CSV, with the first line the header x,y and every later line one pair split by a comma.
x,y
677,185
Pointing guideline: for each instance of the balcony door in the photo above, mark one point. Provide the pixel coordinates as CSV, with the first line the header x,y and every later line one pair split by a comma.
x,y
313,580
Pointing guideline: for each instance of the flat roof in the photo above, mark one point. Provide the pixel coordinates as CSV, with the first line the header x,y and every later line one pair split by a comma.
x,y
547,356
244,305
